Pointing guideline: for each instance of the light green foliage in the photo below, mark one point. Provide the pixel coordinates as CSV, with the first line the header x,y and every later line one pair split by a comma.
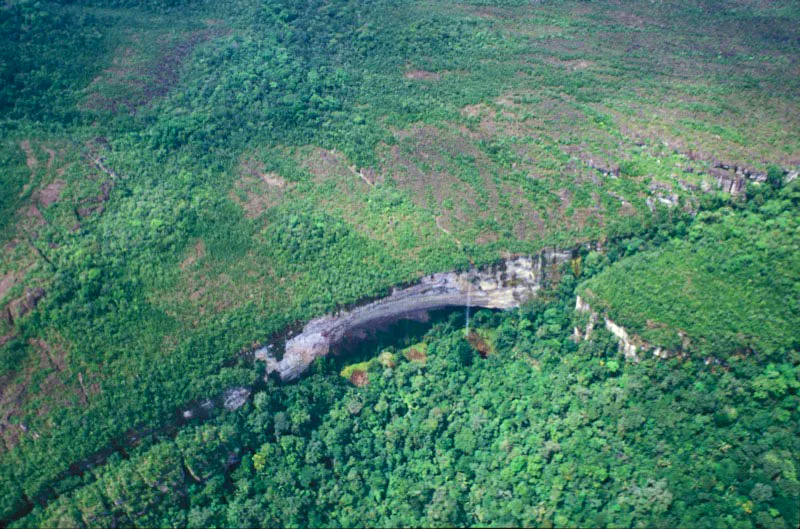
x,y
348,371
730,287
223,169
571,442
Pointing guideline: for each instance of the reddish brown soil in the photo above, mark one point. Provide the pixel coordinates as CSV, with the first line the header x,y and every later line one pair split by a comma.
x,y
423,164
262,189
142,83
52,193
95,204
51,154
30,157
415,355
198,252
359,378
33,213
6,282
23,305
422,75
57,388
479,344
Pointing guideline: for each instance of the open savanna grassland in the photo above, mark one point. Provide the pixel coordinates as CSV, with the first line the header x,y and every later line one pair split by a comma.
x,y
182,179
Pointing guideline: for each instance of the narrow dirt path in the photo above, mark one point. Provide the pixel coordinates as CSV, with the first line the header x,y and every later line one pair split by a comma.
x,y
445,230
360,175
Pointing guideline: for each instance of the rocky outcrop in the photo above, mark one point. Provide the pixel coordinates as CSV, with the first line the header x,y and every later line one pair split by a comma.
x,y
733,179
234,398
503,286
95,204
632,345
625,344
728,181
662,193
582,306
629,345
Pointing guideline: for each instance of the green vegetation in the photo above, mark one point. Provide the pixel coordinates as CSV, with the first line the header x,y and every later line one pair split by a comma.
x,y
729,287
545,432
182,179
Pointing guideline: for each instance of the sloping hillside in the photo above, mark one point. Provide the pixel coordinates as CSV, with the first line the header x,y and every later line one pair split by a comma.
x,y
183,179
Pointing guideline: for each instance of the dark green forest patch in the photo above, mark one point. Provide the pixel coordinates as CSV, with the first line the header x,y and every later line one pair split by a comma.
x,y
582,439
223,170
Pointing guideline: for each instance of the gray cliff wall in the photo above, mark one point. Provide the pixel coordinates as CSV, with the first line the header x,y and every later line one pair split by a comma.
x,y
503,286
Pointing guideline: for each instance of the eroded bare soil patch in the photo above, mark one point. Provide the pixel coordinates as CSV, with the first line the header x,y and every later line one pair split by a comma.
x,y
51,193
422,75
258,190
7,281
134,81
359,378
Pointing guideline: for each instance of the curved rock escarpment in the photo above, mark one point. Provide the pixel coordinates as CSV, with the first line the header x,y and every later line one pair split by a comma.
x,y
503,286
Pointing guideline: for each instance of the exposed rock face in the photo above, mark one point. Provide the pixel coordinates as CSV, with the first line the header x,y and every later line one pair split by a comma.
x,y
733,179
235,398
503,286
728,182
627,343
662,193
582,306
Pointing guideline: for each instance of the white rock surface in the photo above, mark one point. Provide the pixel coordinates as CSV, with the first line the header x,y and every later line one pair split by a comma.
x,y
625,343
235,398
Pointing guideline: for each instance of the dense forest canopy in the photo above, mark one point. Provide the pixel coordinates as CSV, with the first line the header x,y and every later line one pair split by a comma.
x,y
181,181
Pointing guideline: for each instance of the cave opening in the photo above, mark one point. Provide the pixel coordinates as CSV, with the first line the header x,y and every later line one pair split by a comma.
x,y
366,343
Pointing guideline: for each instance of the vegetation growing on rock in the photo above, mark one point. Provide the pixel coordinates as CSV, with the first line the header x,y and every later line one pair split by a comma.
x,y
182,179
